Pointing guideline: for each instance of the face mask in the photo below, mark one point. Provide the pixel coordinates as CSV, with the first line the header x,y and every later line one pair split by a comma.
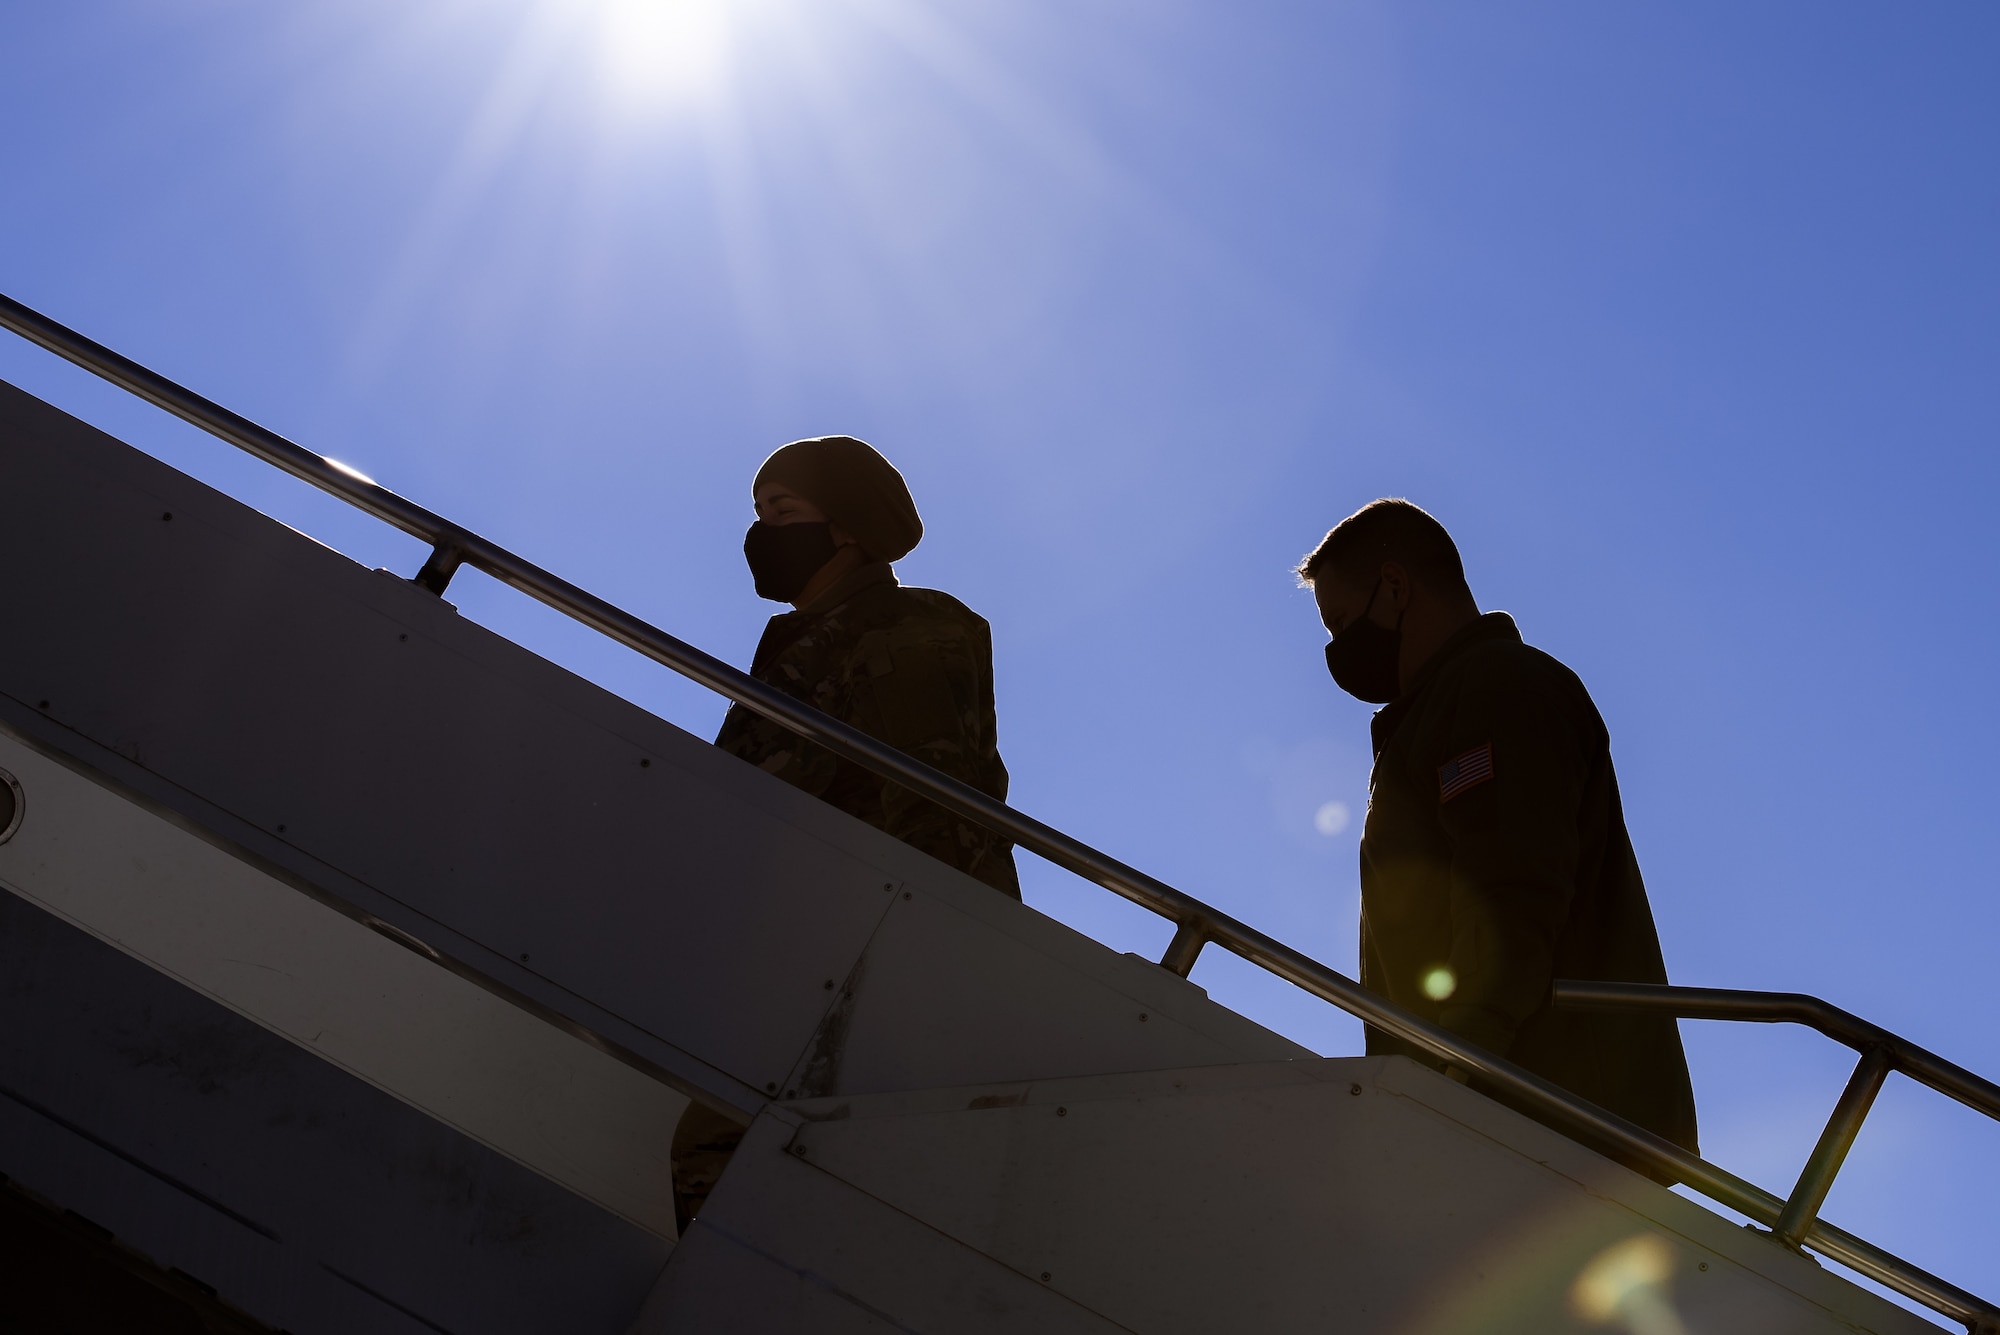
x,y
1366,658
784,557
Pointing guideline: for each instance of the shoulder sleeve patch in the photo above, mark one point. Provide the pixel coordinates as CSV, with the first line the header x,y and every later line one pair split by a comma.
x,y
1466,771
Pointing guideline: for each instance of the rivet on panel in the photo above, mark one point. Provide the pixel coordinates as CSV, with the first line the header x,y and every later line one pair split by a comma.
x,y
1045,1276
1354,1089
1142,1017
771,1087
906,894
167,517
1062,1112
645,764
828,985
42,705
1704,1265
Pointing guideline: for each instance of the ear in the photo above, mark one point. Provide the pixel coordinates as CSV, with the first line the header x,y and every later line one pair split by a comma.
x,y
841,537
1397,587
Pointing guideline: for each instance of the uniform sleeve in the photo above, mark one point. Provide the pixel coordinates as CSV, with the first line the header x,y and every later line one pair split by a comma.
x,y
776,750
1515,844
924,687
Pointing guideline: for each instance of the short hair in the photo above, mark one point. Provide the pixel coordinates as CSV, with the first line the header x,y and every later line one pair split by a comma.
x,y
1390,529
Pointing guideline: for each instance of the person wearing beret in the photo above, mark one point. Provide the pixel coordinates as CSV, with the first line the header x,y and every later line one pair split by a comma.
x,y
912,667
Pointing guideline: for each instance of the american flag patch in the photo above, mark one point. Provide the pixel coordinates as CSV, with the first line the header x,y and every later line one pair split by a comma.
x,y
1467,771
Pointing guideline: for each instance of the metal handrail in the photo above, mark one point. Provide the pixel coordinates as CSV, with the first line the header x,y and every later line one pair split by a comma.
x,y
1196,923
1881,1052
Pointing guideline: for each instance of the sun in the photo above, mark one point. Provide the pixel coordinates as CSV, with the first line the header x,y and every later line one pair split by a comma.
x,y
664,53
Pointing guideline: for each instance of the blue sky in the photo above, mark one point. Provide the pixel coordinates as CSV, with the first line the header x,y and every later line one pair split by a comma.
x,y
1682,316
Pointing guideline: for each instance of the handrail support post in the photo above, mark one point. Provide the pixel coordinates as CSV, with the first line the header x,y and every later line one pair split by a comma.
x,y
1185,948
440,566
1802,1207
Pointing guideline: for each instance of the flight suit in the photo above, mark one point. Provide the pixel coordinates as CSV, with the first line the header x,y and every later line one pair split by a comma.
x,y
912,667
1495,859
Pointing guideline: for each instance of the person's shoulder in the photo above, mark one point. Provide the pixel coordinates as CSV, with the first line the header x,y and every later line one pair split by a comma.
x,y
916,604
1507,667
1513,660
898,619
1509,662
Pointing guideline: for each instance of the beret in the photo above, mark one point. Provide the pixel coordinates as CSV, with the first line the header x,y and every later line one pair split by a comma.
x,y
854,487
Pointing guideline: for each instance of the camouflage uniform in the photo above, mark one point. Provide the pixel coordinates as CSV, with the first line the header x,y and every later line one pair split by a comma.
x,y
912,667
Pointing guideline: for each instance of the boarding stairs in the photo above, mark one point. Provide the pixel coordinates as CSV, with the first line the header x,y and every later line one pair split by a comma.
x,y
358,967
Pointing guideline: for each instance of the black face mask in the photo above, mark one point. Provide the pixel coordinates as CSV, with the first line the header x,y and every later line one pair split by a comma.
x,y
1366,659
784,557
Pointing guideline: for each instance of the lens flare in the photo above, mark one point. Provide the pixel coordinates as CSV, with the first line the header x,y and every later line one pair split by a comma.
x,y
1440,983
1626,1284
1331,818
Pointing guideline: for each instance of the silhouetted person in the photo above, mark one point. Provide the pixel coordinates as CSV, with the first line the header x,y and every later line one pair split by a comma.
x,y
912,667
1494,858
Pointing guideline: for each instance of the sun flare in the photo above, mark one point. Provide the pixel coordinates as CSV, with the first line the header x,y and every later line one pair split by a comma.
x,y
660,53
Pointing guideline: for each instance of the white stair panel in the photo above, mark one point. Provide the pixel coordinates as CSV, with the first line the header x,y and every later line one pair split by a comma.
x,y
1352,1195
